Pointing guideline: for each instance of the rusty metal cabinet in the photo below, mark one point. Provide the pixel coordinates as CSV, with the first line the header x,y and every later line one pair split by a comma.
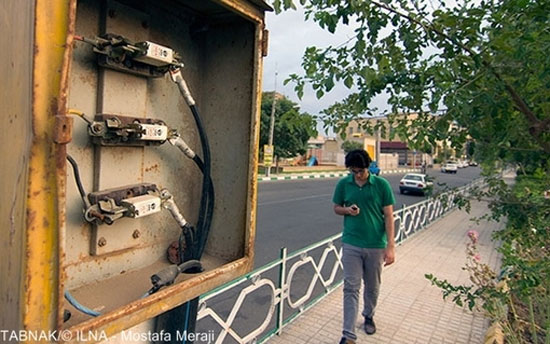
x,y
49,248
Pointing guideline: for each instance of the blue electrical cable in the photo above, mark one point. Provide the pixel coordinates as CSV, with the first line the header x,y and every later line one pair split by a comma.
x,y
80,307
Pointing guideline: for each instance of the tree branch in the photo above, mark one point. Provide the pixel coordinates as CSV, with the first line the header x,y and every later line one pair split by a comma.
x,y
537,127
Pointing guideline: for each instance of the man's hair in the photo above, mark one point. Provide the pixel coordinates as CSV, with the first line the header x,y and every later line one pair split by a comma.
x,y
358,158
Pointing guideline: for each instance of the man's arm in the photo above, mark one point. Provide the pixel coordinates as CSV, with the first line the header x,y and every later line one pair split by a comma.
x,y
341,210
389,255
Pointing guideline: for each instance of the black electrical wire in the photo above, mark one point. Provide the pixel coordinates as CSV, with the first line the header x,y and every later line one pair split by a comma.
x,y
206,207
168,275
206,218
77,179
188,232
181,240
202,216
189,310
205,197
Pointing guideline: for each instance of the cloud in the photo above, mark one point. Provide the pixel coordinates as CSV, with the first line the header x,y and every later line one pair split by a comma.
x,y
289,36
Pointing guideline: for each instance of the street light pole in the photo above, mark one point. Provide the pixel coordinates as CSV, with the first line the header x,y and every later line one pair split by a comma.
x,y
272,121
377,157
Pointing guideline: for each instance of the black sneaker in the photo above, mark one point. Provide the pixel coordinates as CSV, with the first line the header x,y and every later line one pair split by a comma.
x,y
370,327
344,340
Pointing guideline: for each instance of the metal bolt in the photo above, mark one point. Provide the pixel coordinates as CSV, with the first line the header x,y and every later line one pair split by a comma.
x,y
136,234
97,128
102,242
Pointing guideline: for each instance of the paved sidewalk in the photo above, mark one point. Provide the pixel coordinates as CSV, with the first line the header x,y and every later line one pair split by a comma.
x,y
411,310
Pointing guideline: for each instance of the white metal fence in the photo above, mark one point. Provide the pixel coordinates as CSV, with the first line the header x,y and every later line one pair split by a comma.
x,y
323,274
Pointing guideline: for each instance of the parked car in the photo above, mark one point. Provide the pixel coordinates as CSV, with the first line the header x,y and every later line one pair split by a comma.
x,y
472,163
449,167
415,182
373,168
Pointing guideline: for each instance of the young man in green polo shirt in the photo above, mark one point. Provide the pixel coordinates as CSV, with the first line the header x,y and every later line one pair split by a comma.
x,y
366,202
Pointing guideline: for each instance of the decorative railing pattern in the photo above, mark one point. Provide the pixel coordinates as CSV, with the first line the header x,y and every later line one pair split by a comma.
x,y
282,303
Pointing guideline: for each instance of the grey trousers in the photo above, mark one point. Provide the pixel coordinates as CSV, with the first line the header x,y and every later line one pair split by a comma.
x,y
366,264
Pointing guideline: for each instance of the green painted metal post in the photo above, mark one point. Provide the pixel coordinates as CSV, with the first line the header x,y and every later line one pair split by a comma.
x,y
282,288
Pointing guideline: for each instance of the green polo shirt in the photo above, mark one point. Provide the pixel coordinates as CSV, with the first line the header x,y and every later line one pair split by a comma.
x,y
366,230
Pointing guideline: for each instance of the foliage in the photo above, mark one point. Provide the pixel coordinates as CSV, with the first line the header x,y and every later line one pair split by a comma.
x,y
517,298
348,146
487,292
444,154
482,66
477,73
292,128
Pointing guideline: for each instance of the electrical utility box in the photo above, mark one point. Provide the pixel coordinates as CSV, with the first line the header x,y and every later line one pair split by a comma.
x,y
107,188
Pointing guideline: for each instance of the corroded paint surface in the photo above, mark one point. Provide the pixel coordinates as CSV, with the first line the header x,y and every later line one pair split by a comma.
x,y
41,251
15,66
166,299
245,9
45,252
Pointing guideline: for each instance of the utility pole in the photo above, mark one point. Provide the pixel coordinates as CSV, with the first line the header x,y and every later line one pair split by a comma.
x,y
272,122
377,157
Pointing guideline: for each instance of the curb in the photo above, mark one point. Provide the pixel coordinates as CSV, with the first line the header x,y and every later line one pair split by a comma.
x,y
326,175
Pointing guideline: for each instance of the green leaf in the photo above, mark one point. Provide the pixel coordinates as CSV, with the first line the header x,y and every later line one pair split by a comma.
x,y
329,84
320,93
300,92
360,47
348,81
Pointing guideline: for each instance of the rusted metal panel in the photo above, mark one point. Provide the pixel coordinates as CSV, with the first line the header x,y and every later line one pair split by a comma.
x,y
247,9
63,129
170,166
119,93
44,217
223,70
254,145
265,42
16,41
166,299
229,83
61,153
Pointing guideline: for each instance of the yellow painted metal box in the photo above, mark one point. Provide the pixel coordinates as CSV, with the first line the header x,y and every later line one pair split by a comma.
x,y
55,80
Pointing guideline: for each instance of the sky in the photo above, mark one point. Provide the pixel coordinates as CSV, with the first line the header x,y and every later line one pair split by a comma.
x,y
289,36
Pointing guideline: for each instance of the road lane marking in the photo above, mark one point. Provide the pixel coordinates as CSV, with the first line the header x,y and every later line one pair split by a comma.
x,y
294,199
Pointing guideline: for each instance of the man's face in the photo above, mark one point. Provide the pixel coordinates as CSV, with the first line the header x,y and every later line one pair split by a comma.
x,y
359,173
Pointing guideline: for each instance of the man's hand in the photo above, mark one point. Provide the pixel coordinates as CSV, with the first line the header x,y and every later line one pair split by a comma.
x,y
353,210
389,255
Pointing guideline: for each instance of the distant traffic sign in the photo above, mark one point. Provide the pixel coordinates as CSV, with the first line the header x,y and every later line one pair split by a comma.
x,y
268,155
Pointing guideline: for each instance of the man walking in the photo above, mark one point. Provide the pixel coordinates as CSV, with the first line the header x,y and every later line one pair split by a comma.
x,y
366,202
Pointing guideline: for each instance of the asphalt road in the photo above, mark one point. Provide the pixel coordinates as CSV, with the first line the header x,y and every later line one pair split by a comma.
x,y
297,213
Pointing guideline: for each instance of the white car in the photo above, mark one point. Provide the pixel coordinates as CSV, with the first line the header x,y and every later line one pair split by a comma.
x,y
415,182
462,164
449,167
